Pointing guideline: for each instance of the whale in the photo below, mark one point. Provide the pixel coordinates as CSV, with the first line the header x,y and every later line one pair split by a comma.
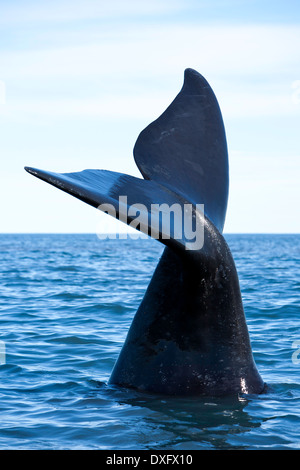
x,y
189,335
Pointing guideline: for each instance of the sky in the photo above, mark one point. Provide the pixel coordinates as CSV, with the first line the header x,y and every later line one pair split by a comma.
x,y
79,80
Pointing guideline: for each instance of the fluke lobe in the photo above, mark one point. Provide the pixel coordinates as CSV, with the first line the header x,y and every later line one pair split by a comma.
x,y
189,335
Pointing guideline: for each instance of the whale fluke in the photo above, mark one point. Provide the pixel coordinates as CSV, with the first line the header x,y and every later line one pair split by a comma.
x,y
185,149
105,190
189,335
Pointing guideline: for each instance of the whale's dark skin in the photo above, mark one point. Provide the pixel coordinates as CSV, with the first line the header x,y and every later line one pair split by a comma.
x,y
189,335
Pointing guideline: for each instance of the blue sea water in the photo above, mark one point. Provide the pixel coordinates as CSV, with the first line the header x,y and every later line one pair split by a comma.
x,y
66,303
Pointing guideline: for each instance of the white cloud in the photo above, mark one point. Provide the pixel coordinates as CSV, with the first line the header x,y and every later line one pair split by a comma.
x,y
61,10
116,106
125,68
147,106
137,73
258,104
218,50
264,193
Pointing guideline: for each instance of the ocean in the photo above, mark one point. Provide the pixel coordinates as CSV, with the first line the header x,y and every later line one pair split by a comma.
x,y
66,303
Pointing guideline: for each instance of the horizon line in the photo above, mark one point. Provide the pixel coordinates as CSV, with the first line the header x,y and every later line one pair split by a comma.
x,y
141,233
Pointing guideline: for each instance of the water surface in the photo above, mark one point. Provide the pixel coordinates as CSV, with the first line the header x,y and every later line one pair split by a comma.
x,y
66,303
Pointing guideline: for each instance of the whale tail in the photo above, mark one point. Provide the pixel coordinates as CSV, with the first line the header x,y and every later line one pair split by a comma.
x,y
189,335
182,156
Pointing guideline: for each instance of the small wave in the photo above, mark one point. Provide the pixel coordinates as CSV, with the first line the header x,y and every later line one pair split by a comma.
x,y
68,296
66,268
64,326
71,340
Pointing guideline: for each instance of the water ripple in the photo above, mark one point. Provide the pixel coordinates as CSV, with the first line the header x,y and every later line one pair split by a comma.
x,y
66,304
